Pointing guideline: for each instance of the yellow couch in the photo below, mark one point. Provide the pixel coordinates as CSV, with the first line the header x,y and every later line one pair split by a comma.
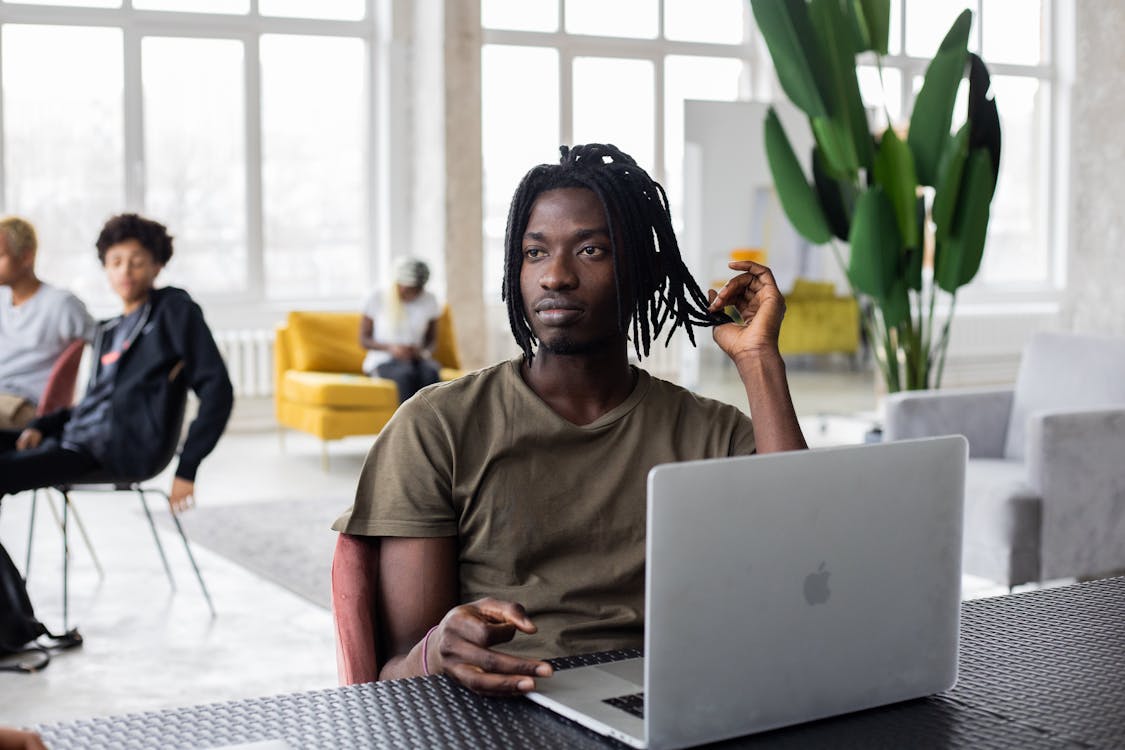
x,y
817,321
319,385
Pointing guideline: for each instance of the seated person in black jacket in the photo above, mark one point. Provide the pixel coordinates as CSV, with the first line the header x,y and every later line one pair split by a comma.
x,y
144,360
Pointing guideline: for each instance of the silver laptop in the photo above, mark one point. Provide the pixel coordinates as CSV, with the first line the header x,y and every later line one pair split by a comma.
x,y
784,588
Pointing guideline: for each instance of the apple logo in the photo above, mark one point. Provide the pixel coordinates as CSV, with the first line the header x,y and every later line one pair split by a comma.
x,y
816,586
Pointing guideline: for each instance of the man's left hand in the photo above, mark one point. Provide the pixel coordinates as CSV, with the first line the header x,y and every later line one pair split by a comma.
x,y
182,496
755,295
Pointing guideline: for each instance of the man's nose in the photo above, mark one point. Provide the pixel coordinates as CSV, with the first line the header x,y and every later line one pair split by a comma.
x,y
559,272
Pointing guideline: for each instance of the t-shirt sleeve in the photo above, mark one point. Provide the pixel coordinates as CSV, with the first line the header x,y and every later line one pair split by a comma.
x,y
373,306
76,321
434,311
405,487
742,437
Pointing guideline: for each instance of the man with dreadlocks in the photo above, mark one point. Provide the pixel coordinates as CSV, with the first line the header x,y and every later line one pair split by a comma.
x,y
500,518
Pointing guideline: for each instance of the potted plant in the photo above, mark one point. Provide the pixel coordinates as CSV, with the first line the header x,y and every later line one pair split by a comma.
x,y
913,207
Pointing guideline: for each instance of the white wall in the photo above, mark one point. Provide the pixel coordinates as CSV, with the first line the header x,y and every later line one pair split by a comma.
x,y
1094,301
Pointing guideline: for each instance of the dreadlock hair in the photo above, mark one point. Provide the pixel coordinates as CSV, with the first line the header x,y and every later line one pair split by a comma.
x,y
656,286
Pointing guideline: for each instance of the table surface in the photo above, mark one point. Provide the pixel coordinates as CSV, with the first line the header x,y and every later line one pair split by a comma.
x,y
1042,669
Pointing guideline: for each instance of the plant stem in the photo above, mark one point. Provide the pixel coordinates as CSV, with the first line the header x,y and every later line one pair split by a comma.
x,y
944,344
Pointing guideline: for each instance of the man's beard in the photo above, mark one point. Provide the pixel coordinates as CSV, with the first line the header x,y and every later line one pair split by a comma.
x,y
564,346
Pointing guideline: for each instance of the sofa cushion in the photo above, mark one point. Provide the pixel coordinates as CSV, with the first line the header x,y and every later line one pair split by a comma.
x,y
325,341
338,390
1065,371
1003,521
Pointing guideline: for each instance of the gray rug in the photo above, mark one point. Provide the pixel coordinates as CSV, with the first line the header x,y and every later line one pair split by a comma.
x,y
289,542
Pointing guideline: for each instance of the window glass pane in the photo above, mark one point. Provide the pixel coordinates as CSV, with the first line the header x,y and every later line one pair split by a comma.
x,y
518,133
195,6
928,21
614,103
522,15
631,18
1017,228
314,158
1013,31
716,21
881,98
342,10
710,78
894,35
63,145
195,158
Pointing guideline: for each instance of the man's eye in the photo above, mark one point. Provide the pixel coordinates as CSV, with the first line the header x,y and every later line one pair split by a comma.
x,y
591,250
533,252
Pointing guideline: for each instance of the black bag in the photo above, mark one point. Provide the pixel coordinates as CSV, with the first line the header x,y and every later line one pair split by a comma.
x,y
19,630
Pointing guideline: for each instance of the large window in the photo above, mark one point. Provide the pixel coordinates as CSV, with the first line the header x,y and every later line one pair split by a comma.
x,y
572,71
247,133
564,71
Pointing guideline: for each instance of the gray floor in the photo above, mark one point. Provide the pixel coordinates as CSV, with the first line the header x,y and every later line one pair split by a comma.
x,y
148,648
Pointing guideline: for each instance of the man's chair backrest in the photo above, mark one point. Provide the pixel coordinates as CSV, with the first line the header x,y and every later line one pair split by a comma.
x,y
59,392
1064,371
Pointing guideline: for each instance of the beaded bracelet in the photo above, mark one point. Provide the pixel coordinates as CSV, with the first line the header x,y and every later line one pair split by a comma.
x,y
425,645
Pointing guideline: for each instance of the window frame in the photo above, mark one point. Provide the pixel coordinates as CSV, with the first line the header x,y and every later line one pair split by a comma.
x,y
252,305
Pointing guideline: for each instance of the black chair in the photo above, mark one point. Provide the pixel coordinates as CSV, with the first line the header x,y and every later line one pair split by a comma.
x,y
105,481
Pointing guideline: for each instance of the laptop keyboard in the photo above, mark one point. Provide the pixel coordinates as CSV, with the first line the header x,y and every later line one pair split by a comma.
x,y
634,704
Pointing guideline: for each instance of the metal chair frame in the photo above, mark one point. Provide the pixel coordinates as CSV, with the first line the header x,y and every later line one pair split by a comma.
x,y
64,524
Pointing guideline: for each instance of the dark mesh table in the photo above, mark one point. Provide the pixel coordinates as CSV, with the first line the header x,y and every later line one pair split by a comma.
x,y
1044,669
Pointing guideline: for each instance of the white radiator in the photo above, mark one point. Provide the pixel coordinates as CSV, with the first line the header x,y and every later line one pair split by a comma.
x,y
249,359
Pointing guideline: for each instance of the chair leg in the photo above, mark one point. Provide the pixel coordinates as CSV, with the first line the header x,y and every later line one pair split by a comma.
x,y
86,539
156,537
30,534
81,529
65,567
194,565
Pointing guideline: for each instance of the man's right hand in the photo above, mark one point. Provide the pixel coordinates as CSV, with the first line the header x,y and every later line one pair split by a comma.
x,y
460,647
404,352
14,739
28,439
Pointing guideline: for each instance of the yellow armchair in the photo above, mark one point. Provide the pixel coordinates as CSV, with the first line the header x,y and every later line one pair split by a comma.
x,y
319,385
817,321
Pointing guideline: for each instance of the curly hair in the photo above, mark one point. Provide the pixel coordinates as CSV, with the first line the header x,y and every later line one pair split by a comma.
x,y
657,284
152,235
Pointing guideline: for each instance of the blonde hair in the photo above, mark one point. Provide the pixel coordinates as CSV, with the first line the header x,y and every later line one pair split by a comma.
x,y
20,236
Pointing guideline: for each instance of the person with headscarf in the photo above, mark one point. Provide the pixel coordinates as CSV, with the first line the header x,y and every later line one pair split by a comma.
x,y
399,328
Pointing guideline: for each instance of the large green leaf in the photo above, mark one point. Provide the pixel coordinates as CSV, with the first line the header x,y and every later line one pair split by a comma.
x,y
785,26
876,17
793,190
875,245
894,171
896,305
958,258
845,106
949,182
933,109
915,255
837,197
832,141
984,118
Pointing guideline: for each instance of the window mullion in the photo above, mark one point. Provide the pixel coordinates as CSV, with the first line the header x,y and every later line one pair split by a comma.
x,y
255,241
133,102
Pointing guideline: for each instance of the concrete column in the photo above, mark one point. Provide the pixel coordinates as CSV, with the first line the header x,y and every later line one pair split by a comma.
x,y
1093,302
447,208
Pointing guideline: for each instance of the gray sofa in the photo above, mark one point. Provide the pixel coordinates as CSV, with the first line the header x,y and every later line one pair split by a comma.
x,y
1045,494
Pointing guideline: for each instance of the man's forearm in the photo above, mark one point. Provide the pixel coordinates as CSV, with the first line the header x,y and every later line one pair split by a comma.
x,y
771,406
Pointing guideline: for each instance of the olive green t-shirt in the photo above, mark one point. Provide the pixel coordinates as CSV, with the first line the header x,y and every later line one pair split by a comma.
x,y
547,513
